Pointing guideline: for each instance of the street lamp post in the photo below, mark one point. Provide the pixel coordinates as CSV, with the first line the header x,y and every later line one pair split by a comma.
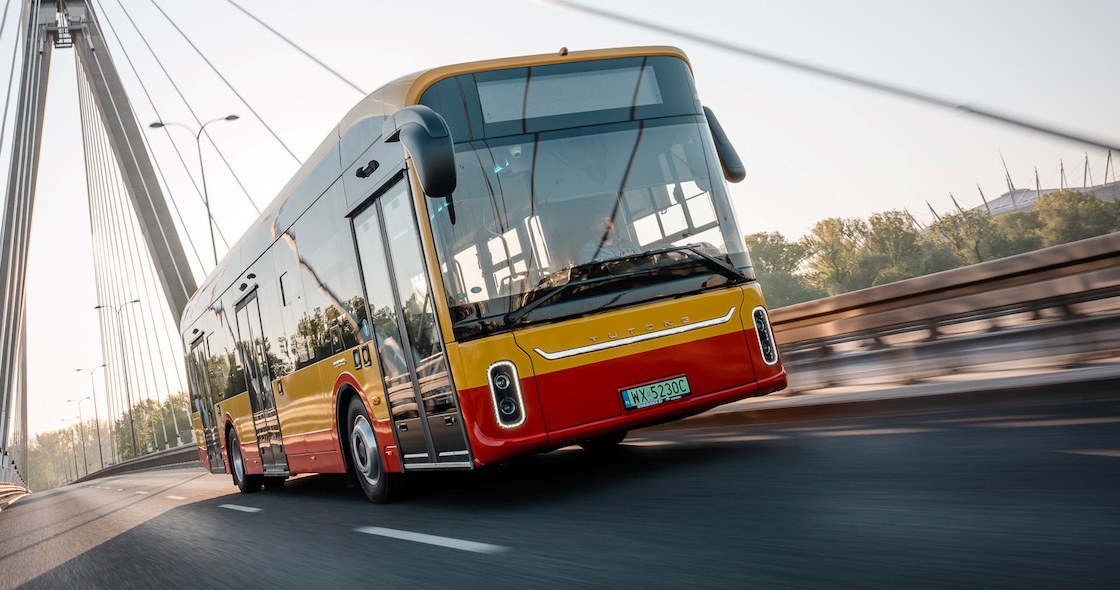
x,y
96,419
81,430
124,368
202,169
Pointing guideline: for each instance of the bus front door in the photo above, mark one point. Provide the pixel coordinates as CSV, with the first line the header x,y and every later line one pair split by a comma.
x,y
422,399
259,382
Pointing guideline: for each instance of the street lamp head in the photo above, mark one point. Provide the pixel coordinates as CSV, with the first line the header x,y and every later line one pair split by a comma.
x,y
100,306
232,117
135,301
157,125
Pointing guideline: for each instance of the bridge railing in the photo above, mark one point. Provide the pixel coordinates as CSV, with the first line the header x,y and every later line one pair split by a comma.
x,y
1061,303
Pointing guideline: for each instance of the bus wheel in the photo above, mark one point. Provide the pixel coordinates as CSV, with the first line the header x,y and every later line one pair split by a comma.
x,y
244,482
604,442
365,456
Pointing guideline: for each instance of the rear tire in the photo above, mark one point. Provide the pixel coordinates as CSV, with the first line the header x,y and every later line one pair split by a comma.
x,y
244,482
604,443
365,457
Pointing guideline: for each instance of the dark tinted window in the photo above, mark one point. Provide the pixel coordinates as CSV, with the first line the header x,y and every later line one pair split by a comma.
x,y
558,96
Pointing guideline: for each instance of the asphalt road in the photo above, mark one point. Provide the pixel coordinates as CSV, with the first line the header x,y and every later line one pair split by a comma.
x,y
1022,497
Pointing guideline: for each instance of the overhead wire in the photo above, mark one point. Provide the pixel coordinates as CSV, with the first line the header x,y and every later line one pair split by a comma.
x,y
295,46
194,115
227,82
868,83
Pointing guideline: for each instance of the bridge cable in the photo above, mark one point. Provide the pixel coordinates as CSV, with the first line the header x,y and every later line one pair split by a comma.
x,y
123,289
838,75
295,46
175,146
227,82
115,387
95,251
197,119
12,71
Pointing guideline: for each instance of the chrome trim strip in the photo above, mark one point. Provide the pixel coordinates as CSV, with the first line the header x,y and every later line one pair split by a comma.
x,y
448,465
453,453
560,354
416,456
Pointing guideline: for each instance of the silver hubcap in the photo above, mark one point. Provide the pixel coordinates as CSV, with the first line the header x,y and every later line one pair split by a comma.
x,y
238,464
363,447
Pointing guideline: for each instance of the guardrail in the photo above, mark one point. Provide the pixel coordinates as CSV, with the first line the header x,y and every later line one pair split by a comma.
x,y
1062,301
10,493
180,454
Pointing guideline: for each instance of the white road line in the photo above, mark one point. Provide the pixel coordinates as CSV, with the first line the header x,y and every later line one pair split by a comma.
x,y
119,489
176,498
240,508
463,545
1115,453
143,492
650,443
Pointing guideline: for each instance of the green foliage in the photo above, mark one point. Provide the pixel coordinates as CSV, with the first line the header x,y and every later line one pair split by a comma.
x,y
839,255
1067,216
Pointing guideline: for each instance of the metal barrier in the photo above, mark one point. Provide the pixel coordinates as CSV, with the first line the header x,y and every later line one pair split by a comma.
x,y
178,455
1061,303
10,493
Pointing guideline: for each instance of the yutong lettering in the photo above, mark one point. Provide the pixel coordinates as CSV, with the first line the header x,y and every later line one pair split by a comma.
x,y
666,324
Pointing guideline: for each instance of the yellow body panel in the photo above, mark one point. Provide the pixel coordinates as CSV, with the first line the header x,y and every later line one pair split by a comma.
x,y
239,409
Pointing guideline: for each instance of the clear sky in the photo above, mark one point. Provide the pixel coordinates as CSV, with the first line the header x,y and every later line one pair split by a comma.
x,y
814,148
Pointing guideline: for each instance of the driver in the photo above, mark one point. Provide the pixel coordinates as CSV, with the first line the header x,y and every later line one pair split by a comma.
x,y
606,243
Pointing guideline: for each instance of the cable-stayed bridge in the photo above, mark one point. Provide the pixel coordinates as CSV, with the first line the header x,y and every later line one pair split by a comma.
x,y
966,344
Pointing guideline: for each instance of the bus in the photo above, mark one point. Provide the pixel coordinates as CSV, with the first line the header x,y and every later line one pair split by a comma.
x,y
480,262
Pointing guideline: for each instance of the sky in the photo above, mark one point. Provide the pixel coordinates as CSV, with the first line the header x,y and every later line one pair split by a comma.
x,y
813,148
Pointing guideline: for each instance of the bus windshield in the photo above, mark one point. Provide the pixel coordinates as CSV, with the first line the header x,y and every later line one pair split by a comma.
x,y
556,224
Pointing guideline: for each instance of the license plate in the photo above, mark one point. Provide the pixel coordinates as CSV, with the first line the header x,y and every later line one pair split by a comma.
x,y
652,394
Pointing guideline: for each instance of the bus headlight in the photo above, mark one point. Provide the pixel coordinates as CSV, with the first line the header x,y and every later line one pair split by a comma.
x,y
766,343
505,392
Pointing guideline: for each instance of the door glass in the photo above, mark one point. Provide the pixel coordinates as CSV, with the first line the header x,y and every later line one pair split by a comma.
x,y
416,304
383,316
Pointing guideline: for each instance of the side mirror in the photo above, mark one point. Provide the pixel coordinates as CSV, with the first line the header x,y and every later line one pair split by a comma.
x,y
729,160
425,135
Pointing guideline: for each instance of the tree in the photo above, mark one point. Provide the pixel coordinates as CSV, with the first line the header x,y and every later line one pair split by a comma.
x,y
894,248
836,246
1067,216
1021,231
971,235
777,263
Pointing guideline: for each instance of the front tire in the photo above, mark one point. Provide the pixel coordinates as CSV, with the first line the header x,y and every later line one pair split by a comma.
x,y
365,456
244,482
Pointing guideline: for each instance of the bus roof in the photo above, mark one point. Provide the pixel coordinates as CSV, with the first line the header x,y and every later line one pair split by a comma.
x,y
366,118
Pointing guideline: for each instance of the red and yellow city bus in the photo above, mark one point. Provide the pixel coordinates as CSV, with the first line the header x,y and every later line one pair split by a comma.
x,y
483,261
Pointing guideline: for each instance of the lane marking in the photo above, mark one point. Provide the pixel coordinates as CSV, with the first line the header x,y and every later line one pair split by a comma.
x,y
176,498
1114,453
1050,423
461,544
872,432
119,489
649,443
812,429
143,492
240,508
